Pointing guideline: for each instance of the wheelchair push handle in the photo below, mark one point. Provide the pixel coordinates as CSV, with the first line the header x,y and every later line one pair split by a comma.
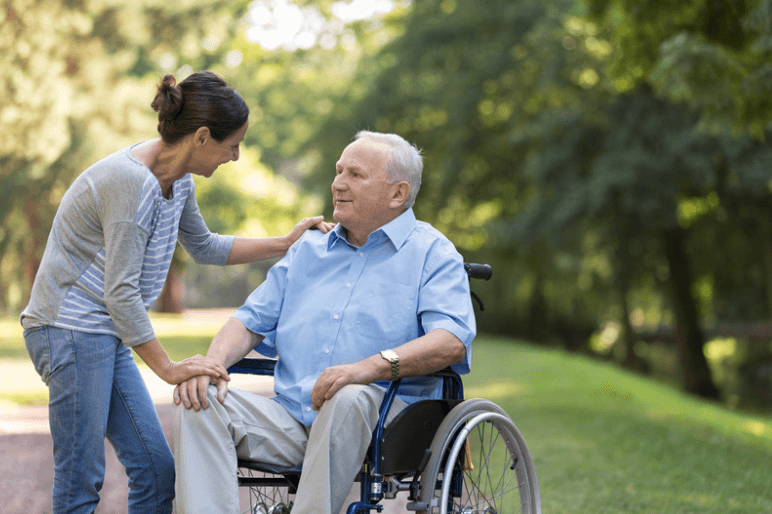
x,y
481,271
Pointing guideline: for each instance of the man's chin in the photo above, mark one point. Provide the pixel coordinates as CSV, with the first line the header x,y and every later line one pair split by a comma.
x,y
338,215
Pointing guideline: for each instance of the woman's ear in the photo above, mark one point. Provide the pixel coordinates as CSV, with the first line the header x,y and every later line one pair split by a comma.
x,y
201,136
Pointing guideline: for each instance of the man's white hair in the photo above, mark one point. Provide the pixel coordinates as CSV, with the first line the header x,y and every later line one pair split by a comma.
x,y
405,162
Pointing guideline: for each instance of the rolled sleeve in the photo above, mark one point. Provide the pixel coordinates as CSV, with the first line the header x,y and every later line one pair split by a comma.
x,y
260,313
445,301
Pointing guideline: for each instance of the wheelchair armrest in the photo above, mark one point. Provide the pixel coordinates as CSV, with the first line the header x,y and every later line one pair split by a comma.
x,y
254,366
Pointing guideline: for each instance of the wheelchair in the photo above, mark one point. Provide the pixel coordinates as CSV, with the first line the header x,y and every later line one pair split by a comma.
x,y
450,455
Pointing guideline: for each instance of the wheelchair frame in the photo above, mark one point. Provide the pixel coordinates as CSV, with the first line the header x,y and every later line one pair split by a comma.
x,y
440,447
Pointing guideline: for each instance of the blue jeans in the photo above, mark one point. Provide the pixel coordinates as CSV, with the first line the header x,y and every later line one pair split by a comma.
x,y
96,392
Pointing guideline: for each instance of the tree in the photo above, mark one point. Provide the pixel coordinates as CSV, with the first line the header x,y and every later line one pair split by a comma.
x,y
72,76
712,55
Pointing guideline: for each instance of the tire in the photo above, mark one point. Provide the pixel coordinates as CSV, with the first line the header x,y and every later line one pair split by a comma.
x,y
481,442
273,496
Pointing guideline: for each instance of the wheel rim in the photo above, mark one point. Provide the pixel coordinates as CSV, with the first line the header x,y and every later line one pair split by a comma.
x,y
493,476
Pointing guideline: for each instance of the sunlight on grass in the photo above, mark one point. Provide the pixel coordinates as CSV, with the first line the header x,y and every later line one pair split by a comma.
x,y
607,441
494,390
31,399
181,334
193,323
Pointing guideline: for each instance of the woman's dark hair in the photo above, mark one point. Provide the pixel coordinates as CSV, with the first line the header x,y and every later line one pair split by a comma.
x,y
201,100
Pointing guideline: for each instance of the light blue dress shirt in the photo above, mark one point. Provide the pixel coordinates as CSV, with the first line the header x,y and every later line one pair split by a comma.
x,y
328,302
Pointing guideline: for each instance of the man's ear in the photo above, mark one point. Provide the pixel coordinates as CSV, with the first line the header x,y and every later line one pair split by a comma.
x,y
202,135
401,192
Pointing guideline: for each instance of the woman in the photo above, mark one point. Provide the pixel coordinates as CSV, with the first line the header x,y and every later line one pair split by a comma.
x,y
105,263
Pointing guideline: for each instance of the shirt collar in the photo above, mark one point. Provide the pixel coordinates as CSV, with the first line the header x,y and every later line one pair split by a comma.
x,y
397,230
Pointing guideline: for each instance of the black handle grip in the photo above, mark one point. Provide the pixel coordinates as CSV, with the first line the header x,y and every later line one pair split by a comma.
x,y
481,271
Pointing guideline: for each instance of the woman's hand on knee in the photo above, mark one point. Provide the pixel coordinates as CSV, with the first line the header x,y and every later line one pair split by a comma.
x,y
192,393
194,366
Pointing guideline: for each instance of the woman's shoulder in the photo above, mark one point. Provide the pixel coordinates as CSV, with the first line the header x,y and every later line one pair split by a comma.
x,y
119,170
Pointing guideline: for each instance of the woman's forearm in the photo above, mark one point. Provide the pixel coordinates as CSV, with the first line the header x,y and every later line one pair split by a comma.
x,y
153,354
246,250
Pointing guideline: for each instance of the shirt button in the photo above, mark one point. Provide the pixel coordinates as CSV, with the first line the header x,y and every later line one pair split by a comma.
x,y
326,350
361,254
335,317
348,285
308,409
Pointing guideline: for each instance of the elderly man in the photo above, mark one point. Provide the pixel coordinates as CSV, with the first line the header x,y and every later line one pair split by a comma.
x,y
381,296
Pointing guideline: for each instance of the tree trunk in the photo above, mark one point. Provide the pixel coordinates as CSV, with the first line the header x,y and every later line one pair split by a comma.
x,y
765,227
623,272
690,338
630,360
172,296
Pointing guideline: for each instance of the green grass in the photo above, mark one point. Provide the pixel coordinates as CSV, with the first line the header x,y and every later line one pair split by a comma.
x,y
181,335
11,340
606,441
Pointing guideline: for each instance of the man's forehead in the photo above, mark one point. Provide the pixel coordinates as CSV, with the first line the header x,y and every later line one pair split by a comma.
x,y
366,148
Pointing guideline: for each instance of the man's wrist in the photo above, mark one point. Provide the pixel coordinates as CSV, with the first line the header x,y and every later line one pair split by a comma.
x,y
393,359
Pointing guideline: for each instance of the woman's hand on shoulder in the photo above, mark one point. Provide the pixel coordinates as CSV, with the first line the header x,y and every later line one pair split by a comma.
x,y
314,223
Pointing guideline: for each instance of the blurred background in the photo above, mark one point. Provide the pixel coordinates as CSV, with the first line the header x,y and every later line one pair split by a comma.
x,y
609,158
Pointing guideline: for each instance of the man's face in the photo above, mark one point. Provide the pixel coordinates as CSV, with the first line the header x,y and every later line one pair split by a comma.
x,y
361,193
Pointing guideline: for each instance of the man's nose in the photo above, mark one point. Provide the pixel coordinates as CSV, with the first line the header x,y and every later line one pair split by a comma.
x,y
338,184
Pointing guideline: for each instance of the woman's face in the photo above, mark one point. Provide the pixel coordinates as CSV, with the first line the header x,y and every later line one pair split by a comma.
x,y
213,153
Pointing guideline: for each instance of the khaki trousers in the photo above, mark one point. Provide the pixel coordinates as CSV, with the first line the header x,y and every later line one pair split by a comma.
x,y
248,426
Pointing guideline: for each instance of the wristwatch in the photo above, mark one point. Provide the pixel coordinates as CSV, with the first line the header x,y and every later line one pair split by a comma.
x,y
391,356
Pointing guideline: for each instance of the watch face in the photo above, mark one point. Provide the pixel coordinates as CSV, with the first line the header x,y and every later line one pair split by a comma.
x,y
390,355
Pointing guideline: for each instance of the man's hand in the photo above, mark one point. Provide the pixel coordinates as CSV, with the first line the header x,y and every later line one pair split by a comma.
x,y
335,377
193,392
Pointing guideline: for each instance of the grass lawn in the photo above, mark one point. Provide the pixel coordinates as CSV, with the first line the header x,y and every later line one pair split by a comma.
x,y
606,441
603,440
182,335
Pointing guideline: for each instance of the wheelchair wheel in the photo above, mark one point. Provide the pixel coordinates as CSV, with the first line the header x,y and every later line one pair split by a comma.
x,y
266,493
480,464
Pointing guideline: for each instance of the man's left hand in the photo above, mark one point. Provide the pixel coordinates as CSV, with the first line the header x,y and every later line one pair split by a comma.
x,y
334,378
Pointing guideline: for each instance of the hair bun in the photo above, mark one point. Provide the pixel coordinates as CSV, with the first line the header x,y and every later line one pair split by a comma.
x,y
168,99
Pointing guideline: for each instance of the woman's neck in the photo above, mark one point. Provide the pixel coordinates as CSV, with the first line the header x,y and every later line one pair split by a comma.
x,y
167,163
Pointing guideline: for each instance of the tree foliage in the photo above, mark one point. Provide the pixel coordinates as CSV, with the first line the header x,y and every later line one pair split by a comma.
x,y
557,147
713,55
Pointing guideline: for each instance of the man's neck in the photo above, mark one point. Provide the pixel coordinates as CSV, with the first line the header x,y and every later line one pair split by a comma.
x,y
353,239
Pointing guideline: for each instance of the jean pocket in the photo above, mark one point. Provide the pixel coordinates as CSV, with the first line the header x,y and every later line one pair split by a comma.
x,y
39,349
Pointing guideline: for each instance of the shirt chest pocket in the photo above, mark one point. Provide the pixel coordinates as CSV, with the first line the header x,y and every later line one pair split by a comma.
x,y
386,312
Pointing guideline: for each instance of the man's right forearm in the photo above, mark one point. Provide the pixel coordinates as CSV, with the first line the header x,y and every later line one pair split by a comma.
x,y
232,343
